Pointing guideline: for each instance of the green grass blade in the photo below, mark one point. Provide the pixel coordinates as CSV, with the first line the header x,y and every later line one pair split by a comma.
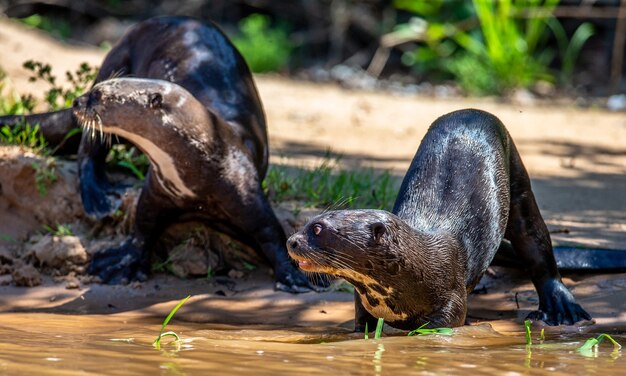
x,y
591,342
379,328
132,168
616,346
367,336
157,341
529,340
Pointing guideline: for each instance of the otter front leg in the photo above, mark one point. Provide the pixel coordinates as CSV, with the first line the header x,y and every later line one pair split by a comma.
x,y
531,241
250,213
130,261
99,198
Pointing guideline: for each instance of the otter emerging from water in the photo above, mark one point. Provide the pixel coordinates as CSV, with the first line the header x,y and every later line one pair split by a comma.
x,y
465,191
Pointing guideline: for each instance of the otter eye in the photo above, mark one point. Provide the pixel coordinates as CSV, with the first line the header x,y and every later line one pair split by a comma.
x,y
317,229
155,100
97,95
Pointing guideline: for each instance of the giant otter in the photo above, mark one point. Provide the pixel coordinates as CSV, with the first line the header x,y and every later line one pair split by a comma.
x,y
465,191
192,107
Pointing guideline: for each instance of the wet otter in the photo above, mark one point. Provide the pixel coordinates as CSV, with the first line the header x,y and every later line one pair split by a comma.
x,y
192,106
465,191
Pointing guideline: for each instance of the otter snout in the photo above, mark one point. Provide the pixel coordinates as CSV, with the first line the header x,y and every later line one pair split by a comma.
x,y
294,243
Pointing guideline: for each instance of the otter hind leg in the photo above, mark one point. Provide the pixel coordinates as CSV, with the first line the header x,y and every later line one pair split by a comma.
x,y
530,239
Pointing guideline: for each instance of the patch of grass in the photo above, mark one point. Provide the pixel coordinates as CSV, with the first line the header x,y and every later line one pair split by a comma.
x,y
421,331
23,134
45,175
13,104
265,48
329,186
157,341
60,230
7,238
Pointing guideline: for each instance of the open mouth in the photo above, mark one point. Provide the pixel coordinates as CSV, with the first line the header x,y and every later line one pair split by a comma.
x,y
306,265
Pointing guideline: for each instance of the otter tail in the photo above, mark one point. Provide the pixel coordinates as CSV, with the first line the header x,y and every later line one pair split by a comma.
x,y
591,260
56,128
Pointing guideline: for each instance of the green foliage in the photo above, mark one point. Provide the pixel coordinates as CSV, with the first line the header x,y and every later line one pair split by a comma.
x,y
157,341
23,134
328,186
493,46
60,230
45,175
421,331
379,328
128,157
57,26
264,48
592,344
57,96
529,340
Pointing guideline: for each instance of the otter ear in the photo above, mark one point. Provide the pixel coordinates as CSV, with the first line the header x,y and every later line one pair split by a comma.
x,y
378,230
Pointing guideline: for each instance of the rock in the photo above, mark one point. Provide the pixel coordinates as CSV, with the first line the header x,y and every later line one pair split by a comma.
x,y
616,102
6,279
59,252
26,275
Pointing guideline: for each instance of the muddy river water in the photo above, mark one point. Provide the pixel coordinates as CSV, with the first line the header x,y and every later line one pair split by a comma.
x,y
56,344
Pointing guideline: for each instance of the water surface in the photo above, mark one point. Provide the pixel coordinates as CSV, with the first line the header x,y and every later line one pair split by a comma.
x,y
32,343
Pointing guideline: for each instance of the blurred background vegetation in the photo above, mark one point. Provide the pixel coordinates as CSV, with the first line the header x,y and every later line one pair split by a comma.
x,y
475,47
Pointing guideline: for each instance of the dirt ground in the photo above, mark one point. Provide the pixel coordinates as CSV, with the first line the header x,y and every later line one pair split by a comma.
x,y
576,159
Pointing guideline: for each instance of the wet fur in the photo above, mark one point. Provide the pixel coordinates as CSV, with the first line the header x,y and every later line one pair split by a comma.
x,y
465,191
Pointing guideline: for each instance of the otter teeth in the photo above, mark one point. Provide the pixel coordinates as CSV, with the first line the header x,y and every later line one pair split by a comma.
x,y
303,263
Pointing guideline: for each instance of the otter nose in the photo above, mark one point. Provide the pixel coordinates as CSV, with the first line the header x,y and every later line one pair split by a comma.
x,y
293,243
78,102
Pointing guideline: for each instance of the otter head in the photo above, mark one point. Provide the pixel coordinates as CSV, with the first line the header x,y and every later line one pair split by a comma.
x,y
394,268
354,244
138,106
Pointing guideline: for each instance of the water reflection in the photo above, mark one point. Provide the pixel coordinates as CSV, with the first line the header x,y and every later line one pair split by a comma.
x,y
63,344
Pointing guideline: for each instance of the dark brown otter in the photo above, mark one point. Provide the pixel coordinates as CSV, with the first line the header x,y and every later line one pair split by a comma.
x,y
193,108
465,191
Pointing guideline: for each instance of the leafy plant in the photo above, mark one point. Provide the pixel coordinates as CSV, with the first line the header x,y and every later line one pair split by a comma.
x,y
421,331
57,96
128,157
264,48
505,50
157,341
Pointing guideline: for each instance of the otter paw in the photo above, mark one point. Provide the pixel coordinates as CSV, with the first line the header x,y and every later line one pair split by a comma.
x,y
99,201
557,306
119,265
